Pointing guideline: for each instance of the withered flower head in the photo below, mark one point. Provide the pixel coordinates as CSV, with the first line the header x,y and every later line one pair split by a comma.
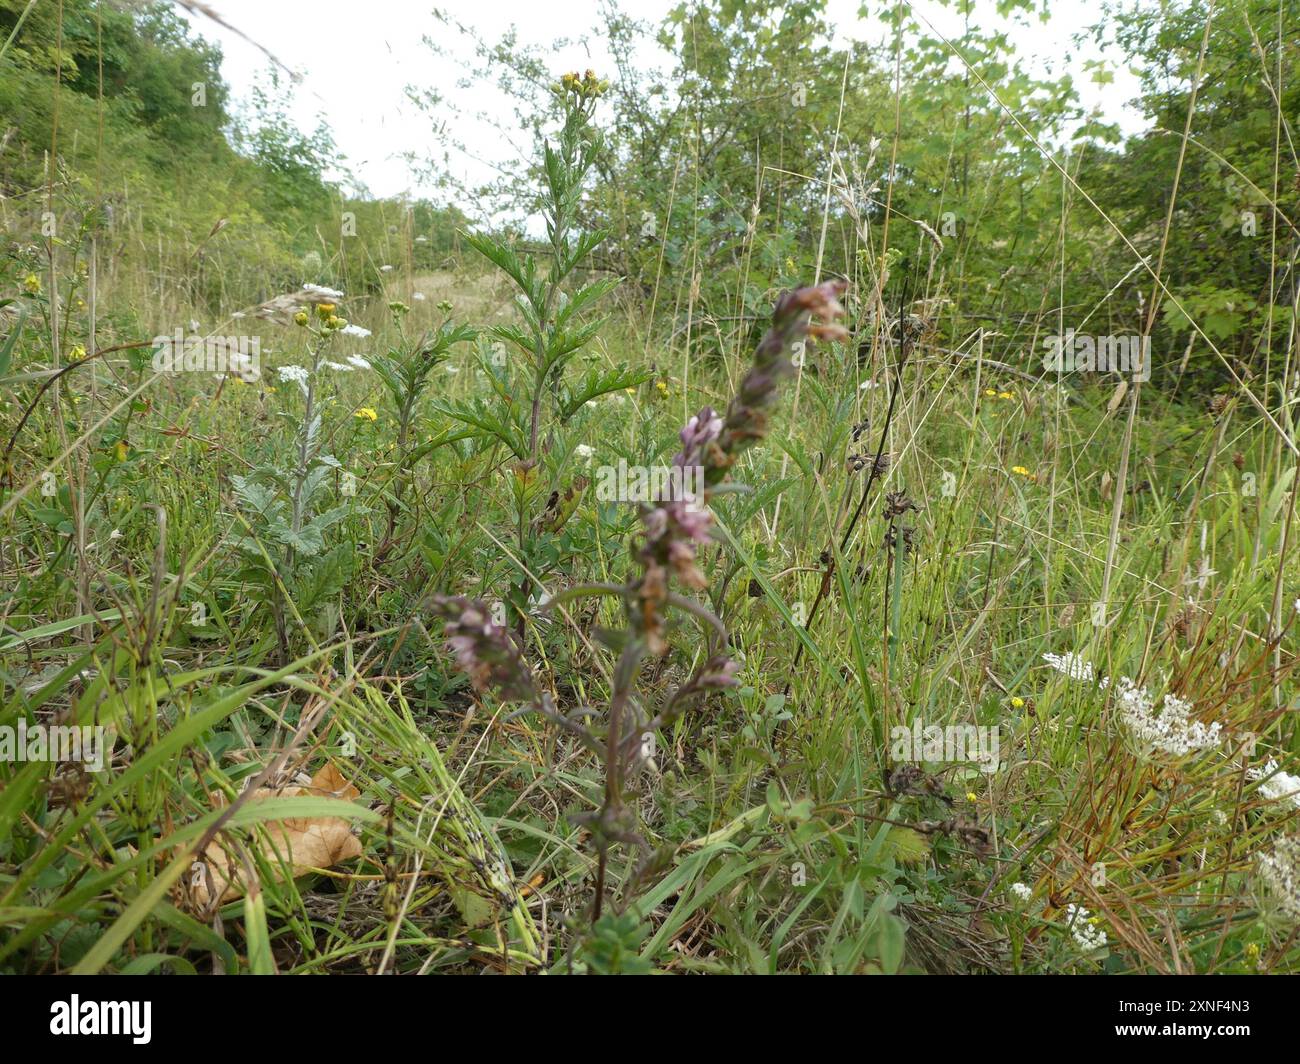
x,y
897,504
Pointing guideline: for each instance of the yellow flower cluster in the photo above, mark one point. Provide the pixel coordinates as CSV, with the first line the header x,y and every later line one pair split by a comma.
x,y
586,86
327,315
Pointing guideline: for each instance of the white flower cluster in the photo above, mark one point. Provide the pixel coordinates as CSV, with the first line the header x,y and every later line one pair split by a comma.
x,y
322,291
354,362
1085,932
354,330
297,374
1073,665
1021,891
1280,871
1278,785
1169,729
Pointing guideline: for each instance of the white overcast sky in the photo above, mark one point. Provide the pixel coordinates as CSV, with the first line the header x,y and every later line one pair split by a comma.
x,y
357,59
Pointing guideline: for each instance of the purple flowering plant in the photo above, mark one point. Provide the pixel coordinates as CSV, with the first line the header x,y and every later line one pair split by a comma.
x,y
667,572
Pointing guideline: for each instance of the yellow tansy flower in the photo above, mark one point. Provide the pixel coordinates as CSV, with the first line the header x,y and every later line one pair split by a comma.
x,y
367,414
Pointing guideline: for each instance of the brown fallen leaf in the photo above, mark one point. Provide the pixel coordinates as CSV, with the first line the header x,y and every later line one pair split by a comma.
x,y
304,843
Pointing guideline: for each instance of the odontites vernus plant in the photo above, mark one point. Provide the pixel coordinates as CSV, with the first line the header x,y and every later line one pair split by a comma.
x,y
666,554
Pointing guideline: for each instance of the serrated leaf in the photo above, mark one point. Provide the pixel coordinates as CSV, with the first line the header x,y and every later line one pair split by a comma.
x,y
906,846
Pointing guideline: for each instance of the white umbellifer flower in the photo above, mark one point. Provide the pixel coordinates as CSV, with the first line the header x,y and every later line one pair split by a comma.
x,y
296,374
1170,729
1071,664
1278,785
1085,932
341,367
322,291
866,386
355,330
385,268
418,297
1021,891
358,362
583,451
1280,871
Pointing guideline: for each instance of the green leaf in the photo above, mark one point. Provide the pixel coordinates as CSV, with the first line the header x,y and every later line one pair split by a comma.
x,y
11,341
260,959
597,382
583,298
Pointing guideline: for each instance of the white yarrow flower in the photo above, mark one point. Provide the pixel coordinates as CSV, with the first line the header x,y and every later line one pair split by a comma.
x,y
1071,664
1169,729
358,362
321,291
1277,786
1280,872
355,330
1022,891
1088,936
297,374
